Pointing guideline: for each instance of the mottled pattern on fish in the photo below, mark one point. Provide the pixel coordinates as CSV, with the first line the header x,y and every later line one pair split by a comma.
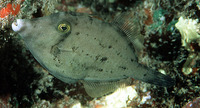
x,y
76,47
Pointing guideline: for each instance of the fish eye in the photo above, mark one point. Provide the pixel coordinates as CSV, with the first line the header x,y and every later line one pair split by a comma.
x,y
64,27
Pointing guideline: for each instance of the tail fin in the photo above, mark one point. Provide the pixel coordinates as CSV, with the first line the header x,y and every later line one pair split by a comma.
x,y
158,79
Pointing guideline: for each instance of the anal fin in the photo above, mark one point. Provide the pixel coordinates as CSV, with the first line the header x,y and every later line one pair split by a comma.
x,y
98,89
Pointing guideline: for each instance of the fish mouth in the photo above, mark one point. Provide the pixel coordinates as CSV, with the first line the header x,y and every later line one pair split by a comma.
x,y
18,25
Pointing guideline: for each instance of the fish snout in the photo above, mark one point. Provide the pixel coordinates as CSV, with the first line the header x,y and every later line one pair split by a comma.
x,y
18,25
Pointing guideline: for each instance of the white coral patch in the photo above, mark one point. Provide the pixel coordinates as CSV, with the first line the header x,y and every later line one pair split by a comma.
x,y
188,29
120,98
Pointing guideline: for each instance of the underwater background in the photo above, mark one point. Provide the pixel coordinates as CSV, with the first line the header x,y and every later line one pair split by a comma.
x,y
171,33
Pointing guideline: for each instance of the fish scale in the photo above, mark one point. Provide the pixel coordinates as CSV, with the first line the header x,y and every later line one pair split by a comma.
x,y
87,50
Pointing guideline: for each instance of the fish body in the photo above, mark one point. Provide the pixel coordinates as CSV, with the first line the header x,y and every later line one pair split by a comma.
x,y
77,47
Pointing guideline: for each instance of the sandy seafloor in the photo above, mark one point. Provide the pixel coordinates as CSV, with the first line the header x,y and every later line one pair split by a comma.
x,y
25,84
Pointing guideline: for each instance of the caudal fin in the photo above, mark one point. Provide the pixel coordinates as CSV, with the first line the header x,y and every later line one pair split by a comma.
x,y
159,79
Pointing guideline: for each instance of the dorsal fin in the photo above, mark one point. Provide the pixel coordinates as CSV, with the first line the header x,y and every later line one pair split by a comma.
x,y
130,25
98,89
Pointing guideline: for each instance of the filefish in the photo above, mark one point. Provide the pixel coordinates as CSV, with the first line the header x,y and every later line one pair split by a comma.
x,y
77,47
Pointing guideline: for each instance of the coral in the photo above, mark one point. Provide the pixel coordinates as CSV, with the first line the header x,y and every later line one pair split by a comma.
x,y
120,98
188,29
149,19
9,9
9,12
190,37
4,101
193,104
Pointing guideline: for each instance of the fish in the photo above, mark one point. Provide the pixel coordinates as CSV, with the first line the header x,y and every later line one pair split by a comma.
x,y
77,47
